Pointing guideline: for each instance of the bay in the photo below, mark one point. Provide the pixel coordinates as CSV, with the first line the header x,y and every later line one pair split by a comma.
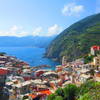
x,y
32,55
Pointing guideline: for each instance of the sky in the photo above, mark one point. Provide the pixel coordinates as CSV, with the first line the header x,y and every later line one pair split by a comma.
x,y
42,17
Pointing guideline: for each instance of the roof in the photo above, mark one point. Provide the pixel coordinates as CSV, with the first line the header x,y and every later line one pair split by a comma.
x,y
9,83
48,73
97,79
38,81
97,57
19,85
44,92
3,56
32,95
3,71
84,70
40,70
95,47
56,81
85,76
47,92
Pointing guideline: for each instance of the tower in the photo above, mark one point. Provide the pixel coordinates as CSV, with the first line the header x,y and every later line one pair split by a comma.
x,y
64,60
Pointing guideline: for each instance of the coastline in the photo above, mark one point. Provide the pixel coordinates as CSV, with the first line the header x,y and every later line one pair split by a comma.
x,y
35,81
34,56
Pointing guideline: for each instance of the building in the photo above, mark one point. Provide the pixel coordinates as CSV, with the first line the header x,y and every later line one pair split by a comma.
x,y
95,50
4,91
59,68
97,76
96,61
64,60
3,74
84,77
3,60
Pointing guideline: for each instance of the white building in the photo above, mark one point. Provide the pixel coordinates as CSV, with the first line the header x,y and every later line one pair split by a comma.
x,y
64,60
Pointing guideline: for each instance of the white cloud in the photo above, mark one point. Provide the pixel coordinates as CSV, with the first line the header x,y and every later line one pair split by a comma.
x,y
19,31
14,28
38,31
14,31
54,30
72,9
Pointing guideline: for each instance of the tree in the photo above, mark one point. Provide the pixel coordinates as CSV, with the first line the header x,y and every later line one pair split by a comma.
x,y
90,90
85,97
88,59
60,92
70,92
51,97
85,87
59,98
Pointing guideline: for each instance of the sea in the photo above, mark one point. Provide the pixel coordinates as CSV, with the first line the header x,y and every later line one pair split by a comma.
x,y
34,56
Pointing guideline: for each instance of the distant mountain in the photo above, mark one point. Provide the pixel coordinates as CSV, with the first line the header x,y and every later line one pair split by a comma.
x,y
75,41
27,41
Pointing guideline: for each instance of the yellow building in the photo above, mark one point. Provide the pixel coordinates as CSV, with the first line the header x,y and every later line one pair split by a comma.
x,y
96,61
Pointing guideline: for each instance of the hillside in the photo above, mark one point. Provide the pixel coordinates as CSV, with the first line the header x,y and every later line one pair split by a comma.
x,y
89,90
28,41
76,40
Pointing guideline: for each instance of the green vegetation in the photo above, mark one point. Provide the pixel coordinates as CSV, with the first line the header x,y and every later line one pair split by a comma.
x,y
88,59
90,91
75,41
87,91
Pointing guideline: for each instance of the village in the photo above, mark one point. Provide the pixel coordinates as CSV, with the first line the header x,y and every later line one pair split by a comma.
x,y
23,82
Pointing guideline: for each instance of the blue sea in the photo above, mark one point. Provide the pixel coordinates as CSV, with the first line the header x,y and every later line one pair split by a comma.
x,y
31,55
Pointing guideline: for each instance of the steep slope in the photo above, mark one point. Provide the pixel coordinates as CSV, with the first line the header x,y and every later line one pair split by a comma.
x,y
76,40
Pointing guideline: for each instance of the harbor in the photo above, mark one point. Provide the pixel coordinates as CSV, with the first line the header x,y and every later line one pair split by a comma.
x,y
23,81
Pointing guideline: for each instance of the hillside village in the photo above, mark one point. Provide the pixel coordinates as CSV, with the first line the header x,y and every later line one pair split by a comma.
x,y
19,81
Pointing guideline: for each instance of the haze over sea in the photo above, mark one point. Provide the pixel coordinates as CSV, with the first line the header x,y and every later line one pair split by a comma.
x,y
31,55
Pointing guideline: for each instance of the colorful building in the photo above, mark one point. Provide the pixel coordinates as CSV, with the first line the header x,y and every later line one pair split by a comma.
x,y
95,50
96,61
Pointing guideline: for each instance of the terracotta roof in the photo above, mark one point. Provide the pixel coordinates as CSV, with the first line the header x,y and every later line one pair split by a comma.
x,y
47,92
32,96
95,47
3,71
44,92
